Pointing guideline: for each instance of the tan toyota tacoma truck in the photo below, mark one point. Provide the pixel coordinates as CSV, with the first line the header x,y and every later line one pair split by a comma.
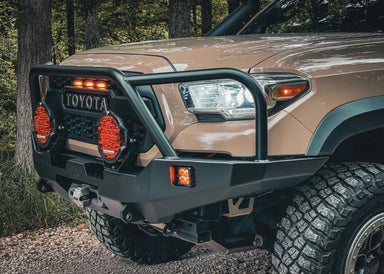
x,y
266,133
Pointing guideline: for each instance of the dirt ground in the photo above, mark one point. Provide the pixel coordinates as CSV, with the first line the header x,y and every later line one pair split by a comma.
x,y
75,250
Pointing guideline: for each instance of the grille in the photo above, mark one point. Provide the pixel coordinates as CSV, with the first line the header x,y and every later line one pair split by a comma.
x,y
79,119
60,82
81,127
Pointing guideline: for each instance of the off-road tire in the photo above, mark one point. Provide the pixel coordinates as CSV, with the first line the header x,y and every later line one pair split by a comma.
x,y
128,241
317,232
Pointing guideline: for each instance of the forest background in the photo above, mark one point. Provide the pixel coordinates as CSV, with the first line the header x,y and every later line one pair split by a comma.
x,y
38,31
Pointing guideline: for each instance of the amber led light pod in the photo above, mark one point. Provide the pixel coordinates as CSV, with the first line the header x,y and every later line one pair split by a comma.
x,y
182,176
80,83
89,84
286,92
101,84
77,83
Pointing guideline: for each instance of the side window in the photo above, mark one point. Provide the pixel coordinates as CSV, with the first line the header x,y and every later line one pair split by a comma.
x,y
315,16
364,16
293,16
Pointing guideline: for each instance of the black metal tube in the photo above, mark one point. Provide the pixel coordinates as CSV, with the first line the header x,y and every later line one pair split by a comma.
x,y
34,88
261,142
131,94
146,118
128,83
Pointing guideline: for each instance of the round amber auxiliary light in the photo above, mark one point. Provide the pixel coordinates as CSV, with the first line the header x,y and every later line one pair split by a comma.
x,y
110,137
43,125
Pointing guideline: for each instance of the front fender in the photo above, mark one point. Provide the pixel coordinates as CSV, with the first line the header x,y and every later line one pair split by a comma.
x,y
345,121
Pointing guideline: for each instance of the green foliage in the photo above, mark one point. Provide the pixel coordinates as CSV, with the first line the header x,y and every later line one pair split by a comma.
x,y
219,11
7,16
7,134
59,30
7,77
23,207
8,54
132,21
122,21
119,22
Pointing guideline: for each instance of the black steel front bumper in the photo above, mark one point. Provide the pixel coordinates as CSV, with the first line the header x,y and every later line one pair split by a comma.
x,y
150,194
147,193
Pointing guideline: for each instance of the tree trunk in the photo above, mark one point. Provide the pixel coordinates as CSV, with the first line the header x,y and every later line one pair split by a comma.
x,y
180,21
71,27
34,47
206,16
91,26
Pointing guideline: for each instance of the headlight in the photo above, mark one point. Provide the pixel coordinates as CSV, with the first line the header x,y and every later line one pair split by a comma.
x,y
231,100
228,98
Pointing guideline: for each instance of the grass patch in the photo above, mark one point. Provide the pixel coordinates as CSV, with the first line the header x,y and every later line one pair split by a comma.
x,y
7,132
23,207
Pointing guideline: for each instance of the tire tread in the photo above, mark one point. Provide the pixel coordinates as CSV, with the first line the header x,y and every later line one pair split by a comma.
x,y
126,240
327,204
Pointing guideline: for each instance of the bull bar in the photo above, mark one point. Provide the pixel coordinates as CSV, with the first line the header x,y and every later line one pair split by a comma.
x,y
148,194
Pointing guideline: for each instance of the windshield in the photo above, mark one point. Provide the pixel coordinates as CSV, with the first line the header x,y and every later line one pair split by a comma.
x,y
297,16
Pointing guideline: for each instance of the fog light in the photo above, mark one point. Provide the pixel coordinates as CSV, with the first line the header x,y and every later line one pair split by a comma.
x,y
182,176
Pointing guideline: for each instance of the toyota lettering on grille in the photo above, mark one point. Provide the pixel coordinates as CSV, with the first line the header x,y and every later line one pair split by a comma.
x,y
88,102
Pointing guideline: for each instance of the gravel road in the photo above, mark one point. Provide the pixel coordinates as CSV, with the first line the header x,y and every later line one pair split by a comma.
x,y
75,250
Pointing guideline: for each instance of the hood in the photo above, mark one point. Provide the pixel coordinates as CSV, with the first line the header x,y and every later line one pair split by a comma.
x,y
242,52
332,54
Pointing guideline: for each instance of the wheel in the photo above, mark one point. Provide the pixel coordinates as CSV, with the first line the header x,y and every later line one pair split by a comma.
x,y
335,223
128,241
